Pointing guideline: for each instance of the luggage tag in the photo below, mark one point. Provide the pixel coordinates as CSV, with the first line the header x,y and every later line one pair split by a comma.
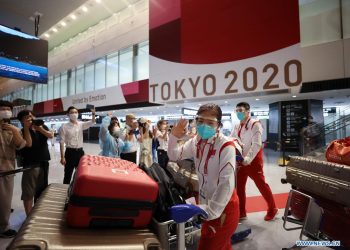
x,y
119,171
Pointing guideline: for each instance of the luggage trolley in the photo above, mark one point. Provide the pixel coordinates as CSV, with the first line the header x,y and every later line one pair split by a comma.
x,y
167,232
308,218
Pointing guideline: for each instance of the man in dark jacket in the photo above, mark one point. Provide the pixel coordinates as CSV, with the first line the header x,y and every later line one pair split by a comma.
x,y
35,157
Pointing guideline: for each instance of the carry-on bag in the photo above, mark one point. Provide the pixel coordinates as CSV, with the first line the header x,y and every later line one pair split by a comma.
x,y
339,151
110,192
46,228
168,196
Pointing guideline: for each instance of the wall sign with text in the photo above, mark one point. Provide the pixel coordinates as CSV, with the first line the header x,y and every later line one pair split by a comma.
x,y
245,47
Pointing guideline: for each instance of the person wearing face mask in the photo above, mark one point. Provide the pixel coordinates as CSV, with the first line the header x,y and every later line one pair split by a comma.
x,y
71,135
145,142
249,131
161,134
109,136
10,141
215,163
36,157
131,137
311,138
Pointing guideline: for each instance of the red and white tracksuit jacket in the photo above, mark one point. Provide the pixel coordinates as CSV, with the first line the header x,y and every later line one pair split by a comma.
x,y
250,134
215,162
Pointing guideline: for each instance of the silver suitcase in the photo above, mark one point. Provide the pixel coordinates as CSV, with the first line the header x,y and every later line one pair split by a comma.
x,y
45,228
325,168
324,186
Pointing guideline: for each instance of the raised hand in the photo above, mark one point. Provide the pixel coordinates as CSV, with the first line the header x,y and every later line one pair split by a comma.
x,y
180,129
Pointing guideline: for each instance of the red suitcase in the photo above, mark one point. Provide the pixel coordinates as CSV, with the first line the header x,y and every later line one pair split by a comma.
x,y
110,192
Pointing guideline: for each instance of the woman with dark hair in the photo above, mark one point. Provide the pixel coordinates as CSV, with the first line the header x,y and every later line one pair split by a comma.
x,y
215,160
109,136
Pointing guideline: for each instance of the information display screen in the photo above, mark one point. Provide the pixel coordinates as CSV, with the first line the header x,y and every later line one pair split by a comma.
x,y
23,56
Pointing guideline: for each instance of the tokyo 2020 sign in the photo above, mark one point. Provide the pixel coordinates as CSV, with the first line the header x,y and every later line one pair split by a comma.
x,y
205,48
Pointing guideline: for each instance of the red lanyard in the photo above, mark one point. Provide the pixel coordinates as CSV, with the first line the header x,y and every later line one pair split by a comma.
x,y
240,129
210,153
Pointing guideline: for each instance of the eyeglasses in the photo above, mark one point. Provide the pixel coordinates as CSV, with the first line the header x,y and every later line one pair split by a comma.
x,y
210,121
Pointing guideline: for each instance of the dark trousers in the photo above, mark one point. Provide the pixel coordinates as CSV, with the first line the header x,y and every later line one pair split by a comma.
x,y
72,156
129,156
43,179
163,158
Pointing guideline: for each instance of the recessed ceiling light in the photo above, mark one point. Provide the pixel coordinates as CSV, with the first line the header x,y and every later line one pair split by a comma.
x,y
98,1
129,6
294,96
157,107
63,24
54,30
141,109
47,35
177,106
257,99
73,16
199,104
84,9
226,101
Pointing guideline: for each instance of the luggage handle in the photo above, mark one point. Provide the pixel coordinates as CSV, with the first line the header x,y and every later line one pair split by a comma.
x,y
31,244
150,243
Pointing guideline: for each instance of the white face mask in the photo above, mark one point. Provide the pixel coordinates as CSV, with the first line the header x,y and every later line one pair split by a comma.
x,y
73,117
5,114
116,132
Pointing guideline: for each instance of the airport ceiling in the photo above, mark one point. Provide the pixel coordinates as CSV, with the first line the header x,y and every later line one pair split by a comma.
x,y
20,14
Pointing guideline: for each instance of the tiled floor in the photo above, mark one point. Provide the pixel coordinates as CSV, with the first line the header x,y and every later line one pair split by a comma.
x,y
265,235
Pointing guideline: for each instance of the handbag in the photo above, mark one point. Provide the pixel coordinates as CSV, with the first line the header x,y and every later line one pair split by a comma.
x,y
338,151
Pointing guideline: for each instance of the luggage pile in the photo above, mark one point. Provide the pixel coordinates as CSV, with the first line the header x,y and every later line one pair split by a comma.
x,y
121,198
328,183
46,228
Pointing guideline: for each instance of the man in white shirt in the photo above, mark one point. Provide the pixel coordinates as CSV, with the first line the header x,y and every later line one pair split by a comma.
x,y
71,134
249,131
131,136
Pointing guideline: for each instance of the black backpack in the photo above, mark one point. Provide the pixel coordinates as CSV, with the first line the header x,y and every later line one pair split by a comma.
x,y
168,194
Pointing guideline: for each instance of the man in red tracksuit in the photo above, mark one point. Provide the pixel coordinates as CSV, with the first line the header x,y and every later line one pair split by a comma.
x,y
249,131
